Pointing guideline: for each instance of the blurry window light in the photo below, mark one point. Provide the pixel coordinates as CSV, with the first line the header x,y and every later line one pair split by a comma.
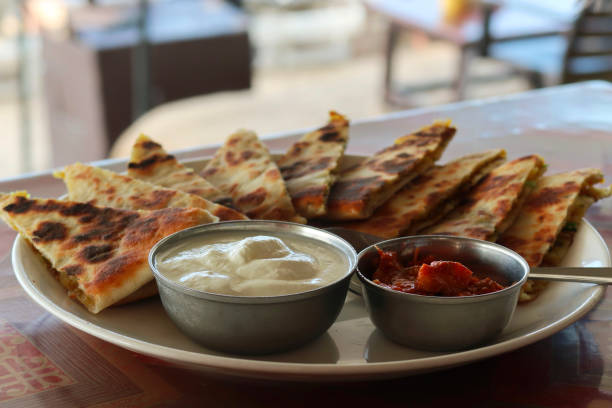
x,y
49,14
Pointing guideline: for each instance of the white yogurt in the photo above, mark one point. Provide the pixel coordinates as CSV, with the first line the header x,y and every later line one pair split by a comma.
x,y
252,266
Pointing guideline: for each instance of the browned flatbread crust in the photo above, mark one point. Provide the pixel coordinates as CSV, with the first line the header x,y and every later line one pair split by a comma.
x,y
106,188
429,197
491,206
363,188
99,254
546,224
309,166
243,169
151,163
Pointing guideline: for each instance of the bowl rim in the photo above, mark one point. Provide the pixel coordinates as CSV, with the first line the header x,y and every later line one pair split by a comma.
x,y
271,226
507,291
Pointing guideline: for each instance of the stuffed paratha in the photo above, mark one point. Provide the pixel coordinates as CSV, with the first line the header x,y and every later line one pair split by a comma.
x,y
151,163
492,206
363,188
99,254
547,223
106,188
309,166
243,169
429,197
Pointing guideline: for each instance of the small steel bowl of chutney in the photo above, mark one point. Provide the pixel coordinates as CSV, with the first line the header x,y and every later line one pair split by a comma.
x,y
440,293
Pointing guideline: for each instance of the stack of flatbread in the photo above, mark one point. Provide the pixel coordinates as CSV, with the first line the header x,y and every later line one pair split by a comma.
x,y
310,166
493,205
475,196
106,188
362,189
99,254
98,239
547,223
429,197
243,169
150,162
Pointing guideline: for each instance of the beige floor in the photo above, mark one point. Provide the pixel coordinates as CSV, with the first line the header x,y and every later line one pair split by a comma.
x,y
295,98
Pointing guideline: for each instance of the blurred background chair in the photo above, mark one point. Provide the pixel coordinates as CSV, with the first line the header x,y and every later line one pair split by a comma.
x,y
583,53
470,26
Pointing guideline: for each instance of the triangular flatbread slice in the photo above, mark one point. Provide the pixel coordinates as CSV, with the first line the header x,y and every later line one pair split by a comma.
x,y
547,223
492,206
106,188
429,197
363,188
309,167
151,163
243,169
99,254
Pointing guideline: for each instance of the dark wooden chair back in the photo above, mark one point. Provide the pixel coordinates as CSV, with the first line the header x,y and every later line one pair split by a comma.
x,y
589,48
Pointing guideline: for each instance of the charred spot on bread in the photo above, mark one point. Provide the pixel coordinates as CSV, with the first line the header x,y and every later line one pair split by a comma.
x,y
502,207
432,198
150,145
19,206
355,189
151,161
140,229
106,224
395,165
314,191
330,136
155,200
253,198
302,168
551,195
96,253
49,231
234,159
73,270
227,213
495,182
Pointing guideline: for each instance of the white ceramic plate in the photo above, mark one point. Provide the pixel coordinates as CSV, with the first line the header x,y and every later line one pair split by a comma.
x,y
352,348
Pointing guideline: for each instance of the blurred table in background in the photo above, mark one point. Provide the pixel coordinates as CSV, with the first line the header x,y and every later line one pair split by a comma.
x,y
44,362
471,30
194,47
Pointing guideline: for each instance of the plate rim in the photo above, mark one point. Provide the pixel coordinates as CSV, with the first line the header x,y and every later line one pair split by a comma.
x,y
245,367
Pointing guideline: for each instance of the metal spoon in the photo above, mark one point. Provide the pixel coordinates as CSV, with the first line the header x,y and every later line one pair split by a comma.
x,y
600,275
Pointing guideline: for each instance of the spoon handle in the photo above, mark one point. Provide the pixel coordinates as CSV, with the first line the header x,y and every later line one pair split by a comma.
x,y
578,274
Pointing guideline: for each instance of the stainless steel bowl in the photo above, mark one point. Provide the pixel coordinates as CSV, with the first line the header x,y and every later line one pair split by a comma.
x,y
249,324
444,323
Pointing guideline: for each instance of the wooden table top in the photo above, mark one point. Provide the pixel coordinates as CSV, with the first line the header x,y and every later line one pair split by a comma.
x,y
44,362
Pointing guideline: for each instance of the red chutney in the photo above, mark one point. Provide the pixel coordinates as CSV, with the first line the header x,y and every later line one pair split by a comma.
x,y
433,278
